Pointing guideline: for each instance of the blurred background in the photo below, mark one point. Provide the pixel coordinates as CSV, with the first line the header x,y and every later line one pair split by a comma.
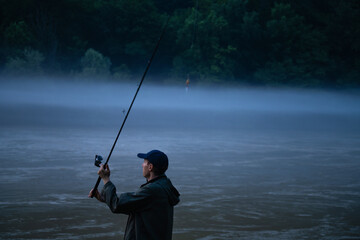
x,y
251,42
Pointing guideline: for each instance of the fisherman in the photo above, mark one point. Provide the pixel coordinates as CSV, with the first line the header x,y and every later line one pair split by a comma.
x,y
151,207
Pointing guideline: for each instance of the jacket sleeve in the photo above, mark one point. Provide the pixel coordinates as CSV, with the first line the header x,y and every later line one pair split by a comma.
x,y
126,202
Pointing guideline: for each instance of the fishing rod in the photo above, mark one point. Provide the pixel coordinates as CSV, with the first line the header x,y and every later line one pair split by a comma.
x,y
98,158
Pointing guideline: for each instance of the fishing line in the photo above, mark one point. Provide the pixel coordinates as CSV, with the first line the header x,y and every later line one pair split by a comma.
x,y
132,102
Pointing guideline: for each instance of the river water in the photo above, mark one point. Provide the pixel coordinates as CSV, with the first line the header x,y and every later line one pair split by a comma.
x,y
249,163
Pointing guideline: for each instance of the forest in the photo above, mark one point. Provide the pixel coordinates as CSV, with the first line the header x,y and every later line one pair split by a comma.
x,y
299,43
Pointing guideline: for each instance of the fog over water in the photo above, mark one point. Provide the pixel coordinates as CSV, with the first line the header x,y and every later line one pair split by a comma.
x,y
92,94
249,163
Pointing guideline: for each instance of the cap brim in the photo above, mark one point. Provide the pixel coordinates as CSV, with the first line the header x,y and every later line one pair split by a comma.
x,y
142,155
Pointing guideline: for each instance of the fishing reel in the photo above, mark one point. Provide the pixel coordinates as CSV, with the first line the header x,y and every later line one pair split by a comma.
x,y
98,160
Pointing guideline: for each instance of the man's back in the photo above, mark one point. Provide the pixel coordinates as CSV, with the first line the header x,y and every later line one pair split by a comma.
x,y
150,209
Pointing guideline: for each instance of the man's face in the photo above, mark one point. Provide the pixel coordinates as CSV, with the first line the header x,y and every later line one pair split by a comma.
x,y
146,168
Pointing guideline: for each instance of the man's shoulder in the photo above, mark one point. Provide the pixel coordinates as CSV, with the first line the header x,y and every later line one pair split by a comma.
x,y
162,187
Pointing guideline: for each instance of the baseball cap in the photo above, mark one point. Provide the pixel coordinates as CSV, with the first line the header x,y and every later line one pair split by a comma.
x,y
157,158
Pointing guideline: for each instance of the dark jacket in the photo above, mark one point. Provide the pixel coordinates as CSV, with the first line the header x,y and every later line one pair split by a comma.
x,y
150,209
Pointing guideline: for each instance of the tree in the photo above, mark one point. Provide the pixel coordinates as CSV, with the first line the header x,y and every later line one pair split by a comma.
x,y
298,53
204,55
29,64
17,36
95,65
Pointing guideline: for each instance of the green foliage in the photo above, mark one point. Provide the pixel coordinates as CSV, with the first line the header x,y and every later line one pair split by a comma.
x,y
17,34
204,56
95,65
122,73
296,53
274,42
28,64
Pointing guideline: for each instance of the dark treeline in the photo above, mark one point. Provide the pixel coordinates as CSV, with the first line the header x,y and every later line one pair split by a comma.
x,y
303,43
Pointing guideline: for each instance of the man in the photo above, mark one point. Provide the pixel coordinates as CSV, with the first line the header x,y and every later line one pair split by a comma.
x,y
151,208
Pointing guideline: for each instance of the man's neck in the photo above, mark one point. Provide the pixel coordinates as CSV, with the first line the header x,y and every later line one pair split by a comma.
x,y
151,177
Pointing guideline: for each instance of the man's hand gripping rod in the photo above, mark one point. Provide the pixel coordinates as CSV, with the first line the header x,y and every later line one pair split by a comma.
x,y
127,114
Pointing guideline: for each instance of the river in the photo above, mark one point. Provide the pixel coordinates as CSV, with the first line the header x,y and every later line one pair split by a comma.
x,y
249,163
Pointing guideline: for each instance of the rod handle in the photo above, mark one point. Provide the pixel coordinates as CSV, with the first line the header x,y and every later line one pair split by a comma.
x,y
95,187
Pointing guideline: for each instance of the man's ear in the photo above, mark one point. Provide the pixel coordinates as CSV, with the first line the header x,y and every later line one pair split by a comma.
x,y
151,166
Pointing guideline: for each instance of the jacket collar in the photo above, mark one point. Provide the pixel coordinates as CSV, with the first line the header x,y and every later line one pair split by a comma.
x,y
154,179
